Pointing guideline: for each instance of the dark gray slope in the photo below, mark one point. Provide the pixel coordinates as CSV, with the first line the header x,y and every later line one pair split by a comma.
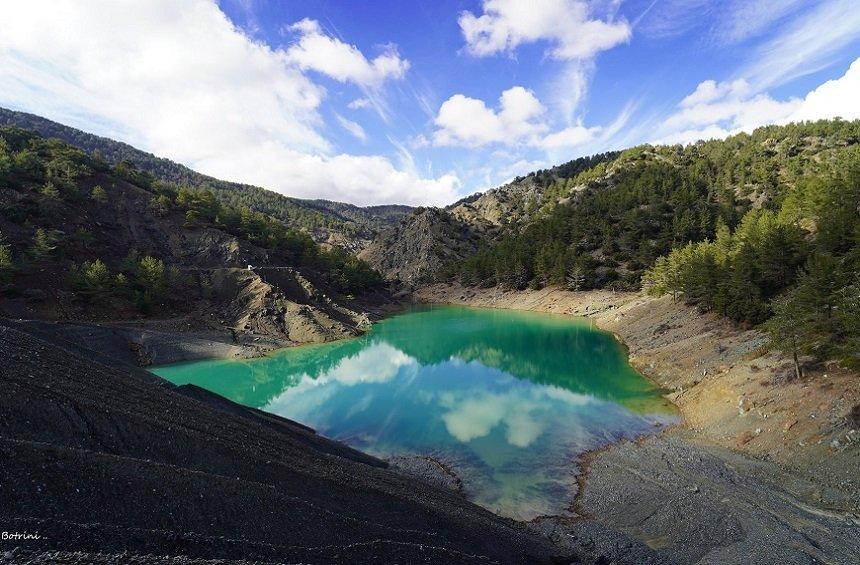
x,y
108,460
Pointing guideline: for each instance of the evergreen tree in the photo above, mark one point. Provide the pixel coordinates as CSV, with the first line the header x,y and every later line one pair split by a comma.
x,y
99,195
44,243
807,319
6,263
92,280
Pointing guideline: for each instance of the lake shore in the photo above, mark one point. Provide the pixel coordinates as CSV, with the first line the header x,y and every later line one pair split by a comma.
x,y
758,458
149,342
743,475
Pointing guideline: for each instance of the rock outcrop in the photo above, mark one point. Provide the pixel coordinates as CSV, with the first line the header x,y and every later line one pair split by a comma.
x,y
418,247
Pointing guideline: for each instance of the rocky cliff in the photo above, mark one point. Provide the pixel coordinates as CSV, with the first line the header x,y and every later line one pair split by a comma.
x,y
416,249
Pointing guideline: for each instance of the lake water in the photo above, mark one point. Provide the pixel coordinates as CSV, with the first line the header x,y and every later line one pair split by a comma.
x,y
508,400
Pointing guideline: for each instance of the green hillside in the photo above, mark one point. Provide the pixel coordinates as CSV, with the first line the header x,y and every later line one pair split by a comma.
x,y
308,214
757,227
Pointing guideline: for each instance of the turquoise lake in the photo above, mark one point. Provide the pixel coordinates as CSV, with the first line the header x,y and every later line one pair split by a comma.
x,y
509,400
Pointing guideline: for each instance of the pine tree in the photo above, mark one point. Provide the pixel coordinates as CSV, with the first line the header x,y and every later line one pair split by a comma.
x,y
99,195
807,319
92,280
6,263
576,278
43,243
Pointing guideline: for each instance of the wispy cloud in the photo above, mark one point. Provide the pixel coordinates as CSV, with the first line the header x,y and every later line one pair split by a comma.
x,y
804,46
358,103
743,19
352,127
721,23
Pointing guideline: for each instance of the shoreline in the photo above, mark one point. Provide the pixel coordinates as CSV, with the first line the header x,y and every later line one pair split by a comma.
x,y
690,490
708,486
144,347
148,343
702,363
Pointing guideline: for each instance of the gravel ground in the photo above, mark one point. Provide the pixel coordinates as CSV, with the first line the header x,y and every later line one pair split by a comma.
x,y
114,462
706,504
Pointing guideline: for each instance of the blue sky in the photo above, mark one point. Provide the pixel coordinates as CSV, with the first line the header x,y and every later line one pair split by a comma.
x,y
422,102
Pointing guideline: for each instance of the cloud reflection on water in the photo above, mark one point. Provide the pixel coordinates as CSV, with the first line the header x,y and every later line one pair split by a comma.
x,y
468,413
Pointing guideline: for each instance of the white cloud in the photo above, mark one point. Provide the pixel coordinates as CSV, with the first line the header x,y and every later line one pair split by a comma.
x,y
807,42
180,80
835,98
468,121
566,24
352,127
362,179
716,110
519,120
709,90
358,103
317,51
575,35
569,137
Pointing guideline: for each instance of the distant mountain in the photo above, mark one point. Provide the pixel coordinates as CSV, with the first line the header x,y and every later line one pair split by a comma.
x,y
336,223
378,217
426,244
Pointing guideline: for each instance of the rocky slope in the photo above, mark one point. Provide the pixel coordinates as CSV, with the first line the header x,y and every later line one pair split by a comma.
x,y
418,247
332,223
115,464
504,206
